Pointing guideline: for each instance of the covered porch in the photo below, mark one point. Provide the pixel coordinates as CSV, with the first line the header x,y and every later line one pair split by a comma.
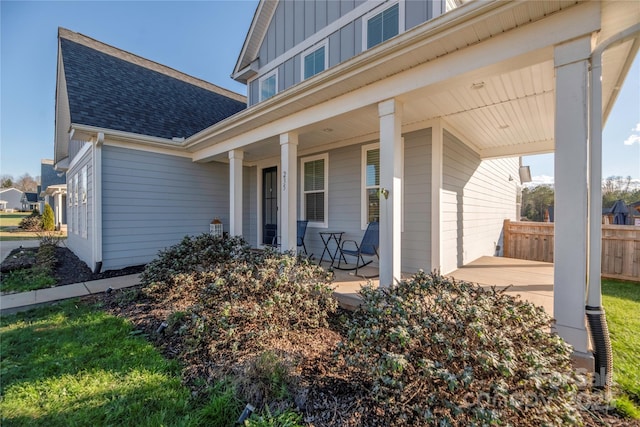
x,y
531,280
442,109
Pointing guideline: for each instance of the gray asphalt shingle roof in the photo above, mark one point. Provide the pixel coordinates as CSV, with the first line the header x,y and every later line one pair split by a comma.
x,y
111,93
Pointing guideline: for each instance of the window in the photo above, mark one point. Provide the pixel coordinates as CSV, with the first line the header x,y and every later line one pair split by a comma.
x,y
314,61
315,171
268,85
83,201
382,26
370,184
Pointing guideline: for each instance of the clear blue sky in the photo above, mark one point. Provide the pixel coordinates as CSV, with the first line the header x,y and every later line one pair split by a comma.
x,y
200,38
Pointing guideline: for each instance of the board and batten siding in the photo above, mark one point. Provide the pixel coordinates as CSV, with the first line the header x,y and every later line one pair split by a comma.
x,y
293,22
79,245
484,195
151,201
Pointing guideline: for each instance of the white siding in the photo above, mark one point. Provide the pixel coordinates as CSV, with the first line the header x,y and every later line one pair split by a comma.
x,y
151,201
485,197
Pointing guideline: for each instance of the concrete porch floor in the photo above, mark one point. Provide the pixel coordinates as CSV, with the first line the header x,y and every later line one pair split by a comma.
x,y
532,280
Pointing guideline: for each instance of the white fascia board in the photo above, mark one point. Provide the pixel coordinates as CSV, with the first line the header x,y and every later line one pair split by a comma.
x,y
128,136
520,45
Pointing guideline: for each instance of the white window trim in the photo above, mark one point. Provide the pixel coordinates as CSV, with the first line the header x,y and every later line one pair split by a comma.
x,y
265,77
84,196
377,11
316,224
312,49
363,183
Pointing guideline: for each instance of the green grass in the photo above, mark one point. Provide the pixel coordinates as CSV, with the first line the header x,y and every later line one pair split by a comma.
x,y
621,301
11,219
75,365
9,231
26,280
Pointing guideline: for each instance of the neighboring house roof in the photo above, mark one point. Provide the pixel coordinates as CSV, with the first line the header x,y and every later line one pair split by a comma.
x,y
103,87
30,197
49,176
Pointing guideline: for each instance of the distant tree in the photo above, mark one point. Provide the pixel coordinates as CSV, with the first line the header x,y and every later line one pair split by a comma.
x,y
535,201
26,183
6,181
48,219
618,188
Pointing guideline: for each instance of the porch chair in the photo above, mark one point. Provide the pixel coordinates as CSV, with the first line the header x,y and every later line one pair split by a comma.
x,y
301,230
368,246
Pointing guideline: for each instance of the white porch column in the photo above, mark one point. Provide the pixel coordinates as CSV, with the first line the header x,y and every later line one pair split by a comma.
x,y
390,113
58,211
571,191
235,192
436,191
288,180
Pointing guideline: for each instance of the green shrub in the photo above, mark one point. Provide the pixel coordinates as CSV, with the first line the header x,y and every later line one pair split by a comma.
x,y
433,351
48,219
230,304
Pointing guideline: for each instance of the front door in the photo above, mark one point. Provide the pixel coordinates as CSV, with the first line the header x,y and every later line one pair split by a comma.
x,y
269,205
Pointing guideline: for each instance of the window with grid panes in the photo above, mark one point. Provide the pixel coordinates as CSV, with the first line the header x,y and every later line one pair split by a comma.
x,y
383,26
314,188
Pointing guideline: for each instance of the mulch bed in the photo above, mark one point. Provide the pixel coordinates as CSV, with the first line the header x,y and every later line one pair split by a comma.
x,y
68,269
330,397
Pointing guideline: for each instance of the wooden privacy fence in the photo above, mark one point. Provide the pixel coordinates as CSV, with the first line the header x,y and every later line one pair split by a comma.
x,y
534,241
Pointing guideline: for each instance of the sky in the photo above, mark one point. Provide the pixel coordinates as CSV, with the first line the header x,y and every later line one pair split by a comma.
x,y
199,38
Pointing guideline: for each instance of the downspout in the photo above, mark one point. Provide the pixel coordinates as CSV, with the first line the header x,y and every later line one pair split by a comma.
x,y
594,311
97,202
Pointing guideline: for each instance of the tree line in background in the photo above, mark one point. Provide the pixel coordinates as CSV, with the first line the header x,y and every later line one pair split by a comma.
x,y
25,182
536,200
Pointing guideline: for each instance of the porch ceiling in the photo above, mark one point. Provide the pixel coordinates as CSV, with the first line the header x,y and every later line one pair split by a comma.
x,y
501,108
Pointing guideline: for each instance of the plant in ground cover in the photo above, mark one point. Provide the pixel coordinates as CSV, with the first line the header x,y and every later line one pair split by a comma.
x,y
37,276
241,309
621,301
433,351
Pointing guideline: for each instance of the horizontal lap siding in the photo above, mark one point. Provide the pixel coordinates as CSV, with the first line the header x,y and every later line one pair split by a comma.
x,y
151,201
416,236
249,205
345,196
485,198
82,247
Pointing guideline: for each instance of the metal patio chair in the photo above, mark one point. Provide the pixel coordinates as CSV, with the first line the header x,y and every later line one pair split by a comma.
x,y
301,231
368,247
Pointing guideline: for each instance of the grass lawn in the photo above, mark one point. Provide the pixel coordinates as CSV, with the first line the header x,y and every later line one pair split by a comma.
x,y
9,228
621,301
76,365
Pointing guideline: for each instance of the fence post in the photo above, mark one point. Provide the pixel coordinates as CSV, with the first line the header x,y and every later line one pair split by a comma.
x,y
505,238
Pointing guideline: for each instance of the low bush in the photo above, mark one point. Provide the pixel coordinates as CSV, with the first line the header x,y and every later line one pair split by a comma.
x,y
32,222
433,351
236,307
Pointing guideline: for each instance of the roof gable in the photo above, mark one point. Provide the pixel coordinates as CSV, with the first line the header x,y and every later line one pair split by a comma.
x,y
112,89
49,176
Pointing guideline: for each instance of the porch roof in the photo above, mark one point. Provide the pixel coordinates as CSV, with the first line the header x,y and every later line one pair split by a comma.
x,y
485,68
